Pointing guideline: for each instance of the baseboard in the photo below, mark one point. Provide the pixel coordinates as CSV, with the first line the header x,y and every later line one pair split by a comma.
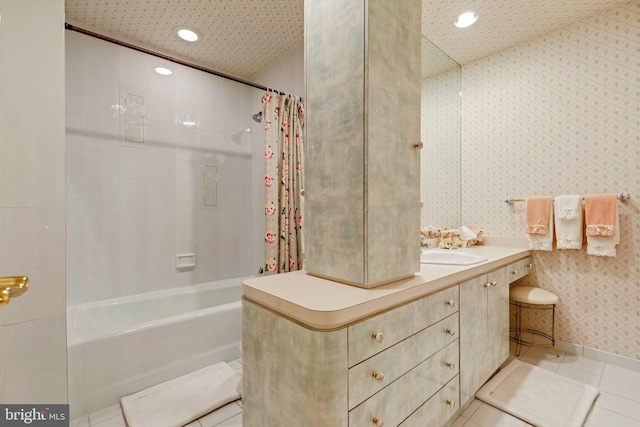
x,y
600,355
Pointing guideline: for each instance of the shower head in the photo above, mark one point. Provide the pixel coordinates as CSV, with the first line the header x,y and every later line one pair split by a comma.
x,y
257,117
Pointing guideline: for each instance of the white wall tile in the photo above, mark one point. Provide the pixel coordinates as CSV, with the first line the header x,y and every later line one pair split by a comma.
x,y
50,387
76,156
134,226
45,297
186,196
154,187
162,105
32,224
133,267
162,271
32,236
102,193
76,194
33,348
187,168
133,162
162,195
32,179
133,68
133,194
186,232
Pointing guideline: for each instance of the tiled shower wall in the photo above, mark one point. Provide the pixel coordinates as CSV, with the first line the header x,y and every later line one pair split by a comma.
x,y
560,115
188,187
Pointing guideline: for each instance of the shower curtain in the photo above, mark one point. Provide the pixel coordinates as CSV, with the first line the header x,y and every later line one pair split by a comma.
x,y
284,165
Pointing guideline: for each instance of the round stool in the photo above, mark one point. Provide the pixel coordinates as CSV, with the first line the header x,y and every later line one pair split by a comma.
x,y
527,297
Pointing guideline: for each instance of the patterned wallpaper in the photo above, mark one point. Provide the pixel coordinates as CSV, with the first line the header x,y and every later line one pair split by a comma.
x,y
556,115
440,157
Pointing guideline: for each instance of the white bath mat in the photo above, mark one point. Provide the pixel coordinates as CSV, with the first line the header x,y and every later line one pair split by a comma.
x,y
177,402
539,397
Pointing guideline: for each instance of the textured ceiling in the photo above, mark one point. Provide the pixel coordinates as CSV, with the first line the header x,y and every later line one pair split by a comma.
x,y
501,23
242,37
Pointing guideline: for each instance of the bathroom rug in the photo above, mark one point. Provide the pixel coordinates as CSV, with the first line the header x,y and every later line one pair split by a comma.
x,y
539,397
179,401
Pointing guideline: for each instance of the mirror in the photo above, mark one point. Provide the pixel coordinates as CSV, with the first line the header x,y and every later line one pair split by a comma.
x,y
440,167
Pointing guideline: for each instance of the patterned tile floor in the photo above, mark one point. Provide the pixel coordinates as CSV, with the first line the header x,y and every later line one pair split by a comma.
x,y
617,405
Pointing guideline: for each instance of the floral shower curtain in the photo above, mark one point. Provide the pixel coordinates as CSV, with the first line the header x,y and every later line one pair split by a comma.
x,y
284,165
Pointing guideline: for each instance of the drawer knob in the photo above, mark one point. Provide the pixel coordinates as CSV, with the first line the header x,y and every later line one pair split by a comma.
x,y
450,365
530,265
494,284
377,422
451,303
378,376
378,336
515,272
450,332
451,403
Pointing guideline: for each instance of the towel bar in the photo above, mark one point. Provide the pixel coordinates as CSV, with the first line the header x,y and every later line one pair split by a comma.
x,y
622,197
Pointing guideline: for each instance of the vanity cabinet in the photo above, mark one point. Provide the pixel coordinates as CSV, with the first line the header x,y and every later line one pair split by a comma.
x,y
377,371
484,329
414,363
520,269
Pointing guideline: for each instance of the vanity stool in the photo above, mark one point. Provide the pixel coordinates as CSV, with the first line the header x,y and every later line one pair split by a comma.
x,y
527,297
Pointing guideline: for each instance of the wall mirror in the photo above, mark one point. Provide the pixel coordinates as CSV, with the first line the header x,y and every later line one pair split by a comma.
x,y
440,163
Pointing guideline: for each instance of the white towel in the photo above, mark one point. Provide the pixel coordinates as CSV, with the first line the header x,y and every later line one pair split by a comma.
x,y
604,245
568,221
542,242
177,402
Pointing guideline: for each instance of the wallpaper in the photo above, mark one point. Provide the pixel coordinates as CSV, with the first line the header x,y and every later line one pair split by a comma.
x,y
561,115
440,156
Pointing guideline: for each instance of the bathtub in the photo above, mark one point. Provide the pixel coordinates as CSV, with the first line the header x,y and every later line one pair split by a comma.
x,y
120,346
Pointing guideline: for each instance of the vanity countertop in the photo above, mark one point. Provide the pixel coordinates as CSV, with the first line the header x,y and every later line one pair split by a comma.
x,y
323,304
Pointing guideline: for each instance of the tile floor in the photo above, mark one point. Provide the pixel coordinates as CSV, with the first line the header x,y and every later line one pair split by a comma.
x,y
617,405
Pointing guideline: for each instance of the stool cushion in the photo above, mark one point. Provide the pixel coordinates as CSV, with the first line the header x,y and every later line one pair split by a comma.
x,y
531,295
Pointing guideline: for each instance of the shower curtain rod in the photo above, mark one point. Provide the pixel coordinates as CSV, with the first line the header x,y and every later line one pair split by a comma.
x,y
169,58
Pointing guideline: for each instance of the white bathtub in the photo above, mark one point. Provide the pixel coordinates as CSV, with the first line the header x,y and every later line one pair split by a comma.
x,y
120,346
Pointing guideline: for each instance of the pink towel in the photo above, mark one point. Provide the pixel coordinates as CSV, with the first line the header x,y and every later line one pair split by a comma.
x,y
600,214
538,214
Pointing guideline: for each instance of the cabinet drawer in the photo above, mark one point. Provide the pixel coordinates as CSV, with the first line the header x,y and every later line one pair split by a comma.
x,y
437,410
375,373
395,325
398,400
519,269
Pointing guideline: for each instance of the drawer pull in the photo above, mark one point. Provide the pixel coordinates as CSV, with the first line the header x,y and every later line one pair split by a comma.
x,y
450,365
530,266
378,336
451,303
377,422
515,272
451,403
491,285
450,332
494,284
378,376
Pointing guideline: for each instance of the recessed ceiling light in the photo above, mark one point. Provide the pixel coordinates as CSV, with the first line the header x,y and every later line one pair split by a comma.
x,y
164,71
466,19
188,34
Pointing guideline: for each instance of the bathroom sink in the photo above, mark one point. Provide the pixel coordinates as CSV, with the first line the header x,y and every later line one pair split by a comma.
x,y
450,257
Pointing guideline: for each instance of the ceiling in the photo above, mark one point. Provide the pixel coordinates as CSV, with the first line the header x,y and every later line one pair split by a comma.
x,y
243,37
